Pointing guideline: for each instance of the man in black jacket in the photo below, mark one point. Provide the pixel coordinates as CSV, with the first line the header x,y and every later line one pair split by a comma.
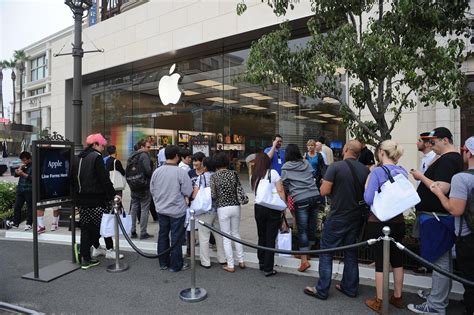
x,y
93,192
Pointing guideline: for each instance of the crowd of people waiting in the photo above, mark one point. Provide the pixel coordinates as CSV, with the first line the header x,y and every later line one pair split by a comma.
x,y
305,182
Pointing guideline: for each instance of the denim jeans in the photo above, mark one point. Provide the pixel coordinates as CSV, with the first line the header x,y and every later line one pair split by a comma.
x,y
306,212
339,232
174,226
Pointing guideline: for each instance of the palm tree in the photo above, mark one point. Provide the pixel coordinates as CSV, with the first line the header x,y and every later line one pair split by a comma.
x,y
3,65
11,64
20,58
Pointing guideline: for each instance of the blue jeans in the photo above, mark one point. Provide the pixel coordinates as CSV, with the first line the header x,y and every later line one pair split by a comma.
x,y
174,259
339,232
306,211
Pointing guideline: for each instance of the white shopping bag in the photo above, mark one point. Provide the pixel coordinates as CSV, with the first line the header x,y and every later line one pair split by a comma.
x,y
107,225
268,196
396,195
284,242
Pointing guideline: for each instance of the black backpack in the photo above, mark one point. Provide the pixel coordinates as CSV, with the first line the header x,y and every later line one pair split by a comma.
x,y
135,175
469,210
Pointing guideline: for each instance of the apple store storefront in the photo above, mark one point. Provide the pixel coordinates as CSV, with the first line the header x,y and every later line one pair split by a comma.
x,y
202,105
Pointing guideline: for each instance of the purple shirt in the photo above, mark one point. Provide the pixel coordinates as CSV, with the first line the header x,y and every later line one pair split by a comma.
x,y
378,177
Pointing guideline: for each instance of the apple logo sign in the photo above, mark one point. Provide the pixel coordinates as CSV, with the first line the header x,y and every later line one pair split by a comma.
x,y
168,87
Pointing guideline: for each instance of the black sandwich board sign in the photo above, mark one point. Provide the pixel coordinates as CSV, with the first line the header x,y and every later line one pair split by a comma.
x,y
52,186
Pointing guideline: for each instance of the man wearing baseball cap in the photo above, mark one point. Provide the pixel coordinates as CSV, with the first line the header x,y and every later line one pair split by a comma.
x,y
424,146
457,204
436,223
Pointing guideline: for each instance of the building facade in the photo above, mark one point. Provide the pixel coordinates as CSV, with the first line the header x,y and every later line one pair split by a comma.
x,y
206,44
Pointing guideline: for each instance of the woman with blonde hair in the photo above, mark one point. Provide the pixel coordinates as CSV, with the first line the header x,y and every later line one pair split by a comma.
x,y
387,154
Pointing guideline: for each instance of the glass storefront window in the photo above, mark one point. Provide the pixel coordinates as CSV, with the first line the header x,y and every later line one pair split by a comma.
x,y
234,116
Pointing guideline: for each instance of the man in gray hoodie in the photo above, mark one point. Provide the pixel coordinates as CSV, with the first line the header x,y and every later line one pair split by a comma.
x,y
171,187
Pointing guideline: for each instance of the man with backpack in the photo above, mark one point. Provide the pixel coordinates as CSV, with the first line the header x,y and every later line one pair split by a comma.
x,y
138,175
461,205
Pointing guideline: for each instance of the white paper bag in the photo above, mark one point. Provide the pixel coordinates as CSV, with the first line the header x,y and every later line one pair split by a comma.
x,y
267,195
117,179
107,225
284,242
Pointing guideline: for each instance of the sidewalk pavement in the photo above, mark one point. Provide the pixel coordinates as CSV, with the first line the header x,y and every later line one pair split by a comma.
x,y
144,289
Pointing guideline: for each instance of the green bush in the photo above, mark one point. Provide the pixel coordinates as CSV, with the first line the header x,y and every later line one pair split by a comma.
x,y
7,200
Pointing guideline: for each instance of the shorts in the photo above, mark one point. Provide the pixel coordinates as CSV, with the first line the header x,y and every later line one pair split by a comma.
x,y
397,232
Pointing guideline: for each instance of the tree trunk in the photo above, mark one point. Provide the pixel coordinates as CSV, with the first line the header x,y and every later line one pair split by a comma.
x,y
14,99
1,93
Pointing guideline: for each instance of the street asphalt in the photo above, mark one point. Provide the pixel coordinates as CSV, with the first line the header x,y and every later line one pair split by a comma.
x,y
144,289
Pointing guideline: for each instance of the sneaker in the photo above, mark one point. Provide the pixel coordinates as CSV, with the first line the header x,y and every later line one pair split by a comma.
x,y
89,264
423,294
96,252
397,302
422,309
77,253
11,225
28,228
54,227
110,254
185,267
41,229
145,236
134,235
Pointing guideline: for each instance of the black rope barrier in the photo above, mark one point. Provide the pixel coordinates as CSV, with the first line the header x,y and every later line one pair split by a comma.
x,y
428,264
290,252
138,250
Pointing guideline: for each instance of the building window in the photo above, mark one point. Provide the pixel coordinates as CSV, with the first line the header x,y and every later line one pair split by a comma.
x,y
38,91
38,68
110,8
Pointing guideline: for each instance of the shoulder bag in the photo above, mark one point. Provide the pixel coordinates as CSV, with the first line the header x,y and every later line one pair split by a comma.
x,y
267,196
202,203
241,195
395,196
118,180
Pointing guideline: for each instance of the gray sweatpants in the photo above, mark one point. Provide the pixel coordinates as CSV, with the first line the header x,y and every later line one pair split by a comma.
x,y
140,201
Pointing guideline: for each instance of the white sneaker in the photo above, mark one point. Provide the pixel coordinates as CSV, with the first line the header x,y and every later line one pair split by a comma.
x,y
96,252
110,254
28,228
54,227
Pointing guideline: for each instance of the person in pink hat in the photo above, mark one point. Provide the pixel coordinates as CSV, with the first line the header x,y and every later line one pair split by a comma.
x,y
93,192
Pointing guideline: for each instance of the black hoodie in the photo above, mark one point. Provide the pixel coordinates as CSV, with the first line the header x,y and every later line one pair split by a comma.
x,y
92,185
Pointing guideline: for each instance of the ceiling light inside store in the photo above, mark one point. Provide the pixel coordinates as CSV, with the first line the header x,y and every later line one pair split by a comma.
x,y
338,118
305,110
190,93
330,100
319,121
221,100
208,83
300,117
287,104
224,87
254,107
315,112
327,115
257,96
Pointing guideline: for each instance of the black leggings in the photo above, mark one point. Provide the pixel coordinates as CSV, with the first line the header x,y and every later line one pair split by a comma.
x,y
397,231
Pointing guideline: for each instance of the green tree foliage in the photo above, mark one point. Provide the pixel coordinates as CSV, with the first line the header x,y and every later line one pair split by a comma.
x,y
397,54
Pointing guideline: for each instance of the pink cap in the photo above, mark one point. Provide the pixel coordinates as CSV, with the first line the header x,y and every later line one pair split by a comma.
x,y
96,138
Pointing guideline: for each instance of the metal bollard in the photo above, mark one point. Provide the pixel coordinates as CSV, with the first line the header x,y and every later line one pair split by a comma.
x,y
118,266
386,269
193,294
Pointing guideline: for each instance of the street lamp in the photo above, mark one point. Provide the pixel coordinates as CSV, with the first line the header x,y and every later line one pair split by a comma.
x,y
77,7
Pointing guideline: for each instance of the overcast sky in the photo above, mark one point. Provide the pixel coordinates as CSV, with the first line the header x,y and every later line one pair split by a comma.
x,y
23,22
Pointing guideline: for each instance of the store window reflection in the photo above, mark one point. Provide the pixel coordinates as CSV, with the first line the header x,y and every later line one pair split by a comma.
x,y
216,109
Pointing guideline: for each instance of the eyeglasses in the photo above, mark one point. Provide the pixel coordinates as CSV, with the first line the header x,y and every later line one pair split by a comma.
x,y
432,142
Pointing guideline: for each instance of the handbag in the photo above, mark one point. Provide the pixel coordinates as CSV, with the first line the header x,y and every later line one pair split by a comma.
x,y
202,203
284,236
242,197
266,194
118,180
395,196
107,224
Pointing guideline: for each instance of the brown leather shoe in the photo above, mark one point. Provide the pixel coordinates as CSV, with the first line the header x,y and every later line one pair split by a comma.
x,y
397,302
228,269
304,265
374,304
242,265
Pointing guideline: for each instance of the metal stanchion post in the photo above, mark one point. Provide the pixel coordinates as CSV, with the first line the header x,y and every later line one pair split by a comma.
x,y
193,294
118,266
386,269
